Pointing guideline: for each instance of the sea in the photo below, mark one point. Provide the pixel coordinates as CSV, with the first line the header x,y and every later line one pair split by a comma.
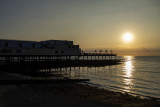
x,y
137,75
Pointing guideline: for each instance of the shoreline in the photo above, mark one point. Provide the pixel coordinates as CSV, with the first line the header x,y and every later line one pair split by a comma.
x,y
65,95
130,93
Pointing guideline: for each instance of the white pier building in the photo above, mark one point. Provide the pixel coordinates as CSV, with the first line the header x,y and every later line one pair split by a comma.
x,y
48,47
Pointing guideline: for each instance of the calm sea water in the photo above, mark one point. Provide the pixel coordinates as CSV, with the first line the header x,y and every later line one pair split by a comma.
x,y
137,74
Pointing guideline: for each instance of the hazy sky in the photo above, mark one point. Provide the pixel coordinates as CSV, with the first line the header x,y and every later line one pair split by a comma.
x,y
93,24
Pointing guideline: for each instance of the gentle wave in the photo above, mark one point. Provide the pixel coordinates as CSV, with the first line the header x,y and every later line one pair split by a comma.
x,y
138,75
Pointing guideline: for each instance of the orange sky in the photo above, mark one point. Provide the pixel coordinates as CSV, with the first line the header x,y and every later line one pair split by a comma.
x,y
93,24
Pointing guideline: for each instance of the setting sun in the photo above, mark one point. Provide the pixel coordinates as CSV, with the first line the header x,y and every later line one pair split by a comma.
x,y
127,37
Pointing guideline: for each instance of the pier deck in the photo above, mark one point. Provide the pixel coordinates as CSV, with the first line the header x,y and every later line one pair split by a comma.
x,y
37,64
26,58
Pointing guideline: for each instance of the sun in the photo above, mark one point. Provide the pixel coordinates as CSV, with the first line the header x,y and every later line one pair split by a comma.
x,y
127,37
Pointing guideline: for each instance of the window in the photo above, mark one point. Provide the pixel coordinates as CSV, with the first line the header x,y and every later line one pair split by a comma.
x,y
62,52
6,44
20,45
45,45
18,51
56,52
9,51
33,45
3,51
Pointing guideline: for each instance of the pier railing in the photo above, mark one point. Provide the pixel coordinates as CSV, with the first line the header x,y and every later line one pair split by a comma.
x,y
33,64
83,56
100,54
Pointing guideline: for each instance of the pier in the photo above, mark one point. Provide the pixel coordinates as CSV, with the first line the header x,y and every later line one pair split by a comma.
x,y
42,58
39,58
42,64
58,61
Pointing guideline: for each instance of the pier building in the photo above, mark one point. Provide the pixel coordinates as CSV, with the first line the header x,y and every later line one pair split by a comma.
x,y
34,57
47,47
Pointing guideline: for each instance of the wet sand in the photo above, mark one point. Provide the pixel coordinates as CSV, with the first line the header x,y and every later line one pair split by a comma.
x,y
67,95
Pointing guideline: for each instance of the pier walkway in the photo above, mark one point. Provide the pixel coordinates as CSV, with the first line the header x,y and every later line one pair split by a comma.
x,y
43,64
28,58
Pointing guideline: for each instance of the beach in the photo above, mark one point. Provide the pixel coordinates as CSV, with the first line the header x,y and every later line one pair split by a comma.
x,y
67,95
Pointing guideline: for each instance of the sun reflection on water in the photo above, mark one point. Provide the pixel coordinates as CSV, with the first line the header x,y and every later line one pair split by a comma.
x,y
128,73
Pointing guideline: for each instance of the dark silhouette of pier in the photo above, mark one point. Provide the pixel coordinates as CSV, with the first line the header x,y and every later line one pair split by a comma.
x,y
53,61
41,65
84,56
